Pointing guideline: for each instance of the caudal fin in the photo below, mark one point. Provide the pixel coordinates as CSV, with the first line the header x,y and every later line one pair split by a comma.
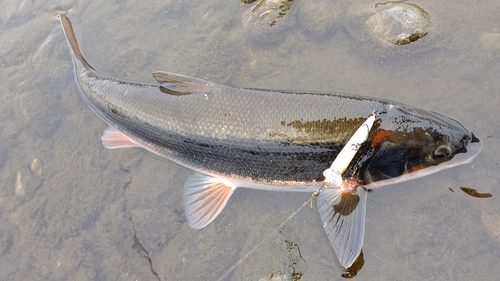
x,y
70,36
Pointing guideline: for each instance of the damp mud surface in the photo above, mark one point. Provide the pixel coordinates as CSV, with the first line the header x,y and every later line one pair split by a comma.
x,y
72,210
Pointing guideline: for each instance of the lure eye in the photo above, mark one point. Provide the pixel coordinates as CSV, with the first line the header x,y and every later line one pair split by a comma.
x,y
442,152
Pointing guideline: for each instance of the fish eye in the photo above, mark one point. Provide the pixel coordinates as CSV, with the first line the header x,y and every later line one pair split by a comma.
x,y
442,152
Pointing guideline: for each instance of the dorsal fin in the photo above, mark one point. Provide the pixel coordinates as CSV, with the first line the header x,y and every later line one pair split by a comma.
x,y
177,84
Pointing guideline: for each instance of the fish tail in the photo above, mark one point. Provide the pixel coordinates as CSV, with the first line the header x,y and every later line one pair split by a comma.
x,y
70,36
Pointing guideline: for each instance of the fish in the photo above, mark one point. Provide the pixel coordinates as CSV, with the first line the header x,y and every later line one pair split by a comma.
x,y
272,140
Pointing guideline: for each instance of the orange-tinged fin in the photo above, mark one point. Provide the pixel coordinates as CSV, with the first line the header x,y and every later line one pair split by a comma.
x,y
379,137
70,36
112,138
205,196
343,216
179,85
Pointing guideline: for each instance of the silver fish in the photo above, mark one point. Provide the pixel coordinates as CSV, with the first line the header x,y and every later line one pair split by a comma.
x,y
272,140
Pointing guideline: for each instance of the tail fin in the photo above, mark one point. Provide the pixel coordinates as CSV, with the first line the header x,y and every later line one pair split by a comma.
x,y
70,36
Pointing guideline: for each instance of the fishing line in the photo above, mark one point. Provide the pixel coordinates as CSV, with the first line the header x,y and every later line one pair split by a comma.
x,y
333,177
315,194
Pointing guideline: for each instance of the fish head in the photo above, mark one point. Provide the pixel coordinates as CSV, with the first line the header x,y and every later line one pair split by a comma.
x,y
415,143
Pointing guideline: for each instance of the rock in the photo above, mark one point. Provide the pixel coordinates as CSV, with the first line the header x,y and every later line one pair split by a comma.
x,y
268,19
398,23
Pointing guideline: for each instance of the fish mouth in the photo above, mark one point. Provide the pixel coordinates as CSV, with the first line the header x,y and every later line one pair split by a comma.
x,y
464,156
474,139
466,147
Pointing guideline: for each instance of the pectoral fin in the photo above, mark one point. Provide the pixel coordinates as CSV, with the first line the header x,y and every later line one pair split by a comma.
x,y
205,196
112,138
343,218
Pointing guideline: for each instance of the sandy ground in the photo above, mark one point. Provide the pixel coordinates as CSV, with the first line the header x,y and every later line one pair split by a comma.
x,y
72,210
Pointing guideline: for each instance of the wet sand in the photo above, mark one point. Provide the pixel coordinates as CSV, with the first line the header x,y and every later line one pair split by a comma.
x,y
72,210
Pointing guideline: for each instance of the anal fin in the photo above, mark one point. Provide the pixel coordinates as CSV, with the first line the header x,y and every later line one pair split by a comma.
x,y
112,138
205,197
343,216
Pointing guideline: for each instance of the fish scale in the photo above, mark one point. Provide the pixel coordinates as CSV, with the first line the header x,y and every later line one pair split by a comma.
x,y
242,138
